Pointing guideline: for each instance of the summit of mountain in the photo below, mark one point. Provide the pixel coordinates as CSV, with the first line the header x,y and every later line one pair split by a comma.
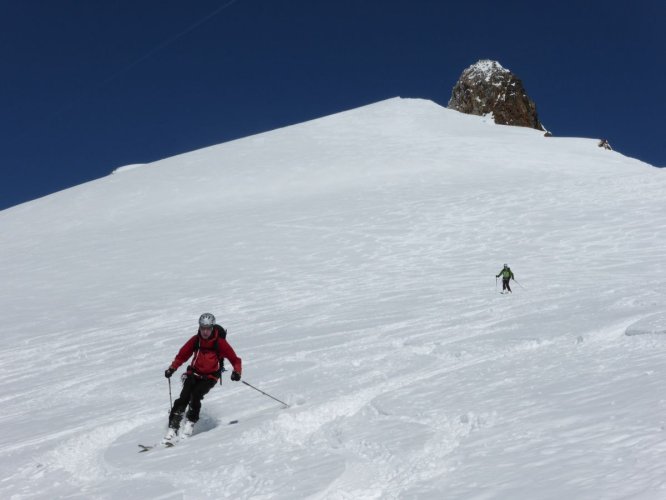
x,y
486,87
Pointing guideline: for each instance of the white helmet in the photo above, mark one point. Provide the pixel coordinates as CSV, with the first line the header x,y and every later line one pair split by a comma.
x,y
206,319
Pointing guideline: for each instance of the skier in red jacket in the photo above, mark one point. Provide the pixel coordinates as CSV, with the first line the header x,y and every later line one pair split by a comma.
x,y
209,348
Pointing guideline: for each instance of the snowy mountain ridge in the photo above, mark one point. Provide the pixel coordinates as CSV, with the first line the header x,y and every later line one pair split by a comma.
x,y
353,260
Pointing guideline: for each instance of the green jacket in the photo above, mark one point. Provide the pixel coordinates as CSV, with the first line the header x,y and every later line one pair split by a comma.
x,y
506,274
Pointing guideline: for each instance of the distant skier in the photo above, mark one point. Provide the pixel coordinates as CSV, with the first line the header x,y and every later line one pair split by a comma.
x,y
209,349
507,275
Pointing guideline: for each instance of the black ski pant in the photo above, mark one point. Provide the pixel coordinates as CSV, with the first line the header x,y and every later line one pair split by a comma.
x,y
505,284
194,390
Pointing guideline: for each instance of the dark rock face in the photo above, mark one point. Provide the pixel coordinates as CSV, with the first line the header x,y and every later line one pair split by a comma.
x,y
486,87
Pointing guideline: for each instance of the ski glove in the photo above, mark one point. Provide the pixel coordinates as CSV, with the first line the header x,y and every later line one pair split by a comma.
x,y
235,376
168,372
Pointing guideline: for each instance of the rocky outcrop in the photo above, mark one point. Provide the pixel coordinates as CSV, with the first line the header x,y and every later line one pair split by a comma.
x,y
603,143
486,87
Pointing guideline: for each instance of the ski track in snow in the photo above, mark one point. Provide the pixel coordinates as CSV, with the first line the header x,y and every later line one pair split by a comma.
x,y
371,308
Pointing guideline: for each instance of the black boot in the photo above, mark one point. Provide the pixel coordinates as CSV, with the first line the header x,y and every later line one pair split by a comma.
x,y
174,419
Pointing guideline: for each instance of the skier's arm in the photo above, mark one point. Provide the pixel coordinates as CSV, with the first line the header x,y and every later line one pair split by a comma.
x,y
184,353
227,351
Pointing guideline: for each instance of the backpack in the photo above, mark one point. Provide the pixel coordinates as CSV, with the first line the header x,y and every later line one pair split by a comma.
x,y
222,334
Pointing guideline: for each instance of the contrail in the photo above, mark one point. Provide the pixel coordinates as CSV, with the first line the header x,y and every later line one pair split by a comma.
x,y
161,46
168,42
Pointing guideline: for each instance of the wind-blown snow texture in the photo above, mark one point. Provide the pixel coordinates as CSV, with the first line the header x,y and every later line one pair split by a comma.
x,y
353,261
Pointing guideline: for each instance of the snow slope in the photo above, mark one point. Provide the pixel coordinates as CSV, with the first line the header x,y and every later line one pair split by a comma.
x,y
353,261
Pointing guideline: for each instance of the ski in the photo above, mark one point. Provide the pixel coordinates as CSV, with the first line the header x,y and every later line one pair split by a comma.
x,y
148,447
183,435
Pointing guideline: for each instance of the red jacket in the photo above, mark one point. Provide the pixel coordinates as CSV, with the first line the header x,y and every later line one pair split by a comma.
x,y
207,359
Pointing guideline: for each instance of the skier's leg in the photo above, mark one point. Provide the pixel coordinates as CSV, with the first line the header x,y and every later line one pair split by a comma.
x,y
200,389
181,403
508,287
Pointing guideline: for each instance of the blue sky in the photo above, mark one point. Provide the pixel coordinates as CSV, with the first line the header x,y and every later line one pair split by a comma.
x,y
88,86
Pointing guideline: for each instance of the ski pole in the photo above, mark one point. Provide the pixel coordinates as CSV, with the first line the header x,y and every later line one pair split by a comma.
x,y
276,399
521,286
170,400
222,370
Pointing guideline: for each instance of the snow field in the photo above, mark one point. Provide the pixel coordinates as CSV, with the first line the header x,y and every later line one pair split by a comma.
x,y
352,260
